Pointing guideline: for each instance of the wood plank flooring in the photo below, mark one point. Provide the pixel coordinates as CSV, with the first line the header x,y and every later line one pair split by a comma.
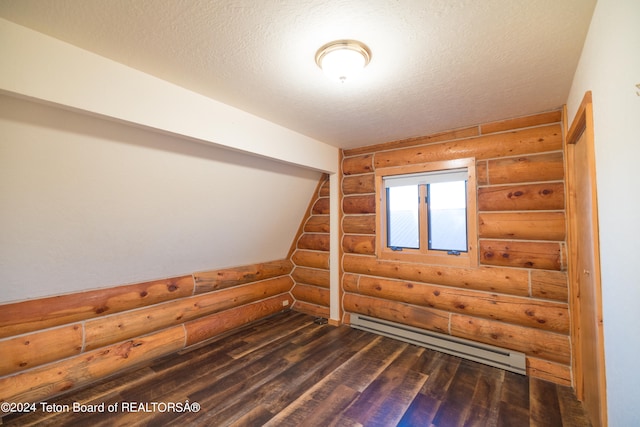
x,y
291,371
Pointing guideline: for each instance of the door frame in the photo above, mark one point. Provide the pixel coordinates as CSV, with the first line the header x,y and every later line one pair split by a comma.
x,y
581,129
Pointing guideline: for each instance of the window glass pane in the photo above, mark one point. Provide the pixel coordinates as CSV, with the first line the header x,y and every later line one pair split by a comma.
x,y
448,216
402,217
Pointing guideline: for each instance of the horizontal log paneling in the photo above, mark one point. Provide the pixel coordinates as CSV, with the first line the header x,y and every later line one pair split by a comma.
x,y
321,206
317,224
533,342
522,122
314,241
546,196
510,309
27,316
542,255
325,187
540,167
311,259
550,347
520,280
522,225
40,383
43,363
549,285
558,373
38,348
311,276
359,204
208,281
357,165
215,324
311,294
359,224
502,280
311,309
466,132
359,184
119,327
350,282
420,317
482,177
356,244
527,141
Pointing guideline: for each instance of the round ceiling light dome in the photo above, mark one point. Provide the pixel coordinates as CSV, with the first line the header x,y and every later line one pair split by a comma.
x,y
342,59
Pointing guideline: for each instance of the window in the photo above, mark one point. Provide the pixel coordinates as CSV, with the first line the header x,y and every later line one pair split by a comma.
x,y
426,213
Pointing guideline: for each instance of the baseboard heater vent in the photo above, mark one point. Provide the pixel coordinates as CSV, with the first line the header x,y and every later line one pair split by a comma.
x,y
489,355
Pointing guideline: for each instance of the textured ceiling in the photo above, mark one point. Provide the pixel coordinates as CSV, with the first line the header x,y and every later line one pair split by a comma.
x,y
437,64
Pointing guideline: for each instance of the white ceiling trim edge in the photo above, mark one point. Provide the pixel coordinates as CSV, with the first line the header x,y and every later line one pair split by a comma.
x,y
43,68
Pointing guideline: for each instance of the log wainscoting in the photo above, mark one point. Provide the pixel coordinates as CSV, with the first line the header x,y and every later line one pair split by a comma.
x,y
516,297
55,344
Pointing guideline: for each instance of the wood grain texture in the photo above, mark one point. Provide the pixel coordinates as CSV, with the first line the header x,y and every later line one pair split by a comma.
x,y
313,259
359,244
509,309
288,371
38,348
529,168
311,294
522,122
357,164
314,242
550,285
208,327
522,225
399,312
533,342
312,309
525,141
32,315
523,197
502,280
311,276
449,135
359,204
541,255
317,224
359,224
119,327
359,184
49,380
321,206
212,280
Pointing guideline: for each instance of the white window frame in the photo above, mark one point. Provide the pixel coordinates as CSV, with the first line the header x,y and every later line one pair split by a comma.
x,y
411,173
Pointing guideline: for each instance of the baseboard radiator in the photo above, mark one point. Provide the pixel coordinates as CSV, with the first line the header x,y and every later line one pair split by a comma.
x,y
489,355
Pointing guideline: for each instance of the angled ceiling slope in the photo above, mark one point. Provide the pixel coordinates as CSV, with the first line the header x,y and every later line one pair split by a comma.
x,y
436,64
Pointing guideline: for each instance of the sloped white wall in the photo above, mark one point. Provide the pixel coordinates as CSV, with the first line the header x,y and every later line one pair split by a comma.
x,y
610,68
87,203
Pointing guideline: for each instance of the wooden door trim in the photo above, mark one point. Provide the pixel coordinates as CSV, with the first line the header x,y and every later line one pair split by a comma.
x,y
583,124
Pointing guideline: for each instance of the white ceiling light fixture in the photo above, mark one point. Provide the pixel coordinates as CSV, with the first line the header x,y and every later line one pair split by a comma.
x,y
343,59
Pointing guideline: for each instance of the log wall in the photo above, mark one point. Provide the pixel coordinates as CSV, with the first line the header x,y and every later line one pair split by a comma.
x,y
517,296
310,257
55,344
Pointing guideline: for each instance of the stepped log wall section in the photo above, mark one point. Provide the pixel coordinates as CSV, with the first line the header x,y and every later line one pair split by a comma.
x,y
310,256
517,296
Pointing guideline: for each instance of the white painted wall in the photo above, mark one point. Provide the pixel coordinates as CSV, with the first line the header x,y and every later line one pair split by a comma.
x,y
610,68
87,203
43,68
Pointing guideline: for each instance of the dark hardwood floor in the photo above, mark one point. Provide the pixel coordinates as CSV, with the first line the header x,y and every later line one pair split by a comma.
x,y
290,371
